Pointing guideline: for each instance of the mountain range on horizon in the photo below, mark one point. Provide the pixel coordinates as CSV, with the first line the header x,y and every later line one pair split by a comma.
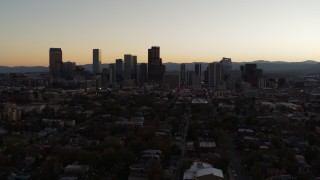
x,y
303,67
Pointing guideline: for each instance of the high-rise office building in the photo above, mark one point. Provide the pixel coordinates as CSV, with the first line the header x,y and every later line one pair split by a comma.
x,y
105,76
226,63
206,76
111,73
70,69
134,69
234,80
190,75
172,80
214,74
155,67
127,67
197,69
130,67
183,73
226,67
119,70
251,74
96,58
55,61
143,73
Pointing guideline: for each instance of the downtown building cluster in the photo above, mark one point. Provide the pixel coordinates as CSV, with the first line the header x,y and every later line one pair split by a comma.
x,y
124,72
127,72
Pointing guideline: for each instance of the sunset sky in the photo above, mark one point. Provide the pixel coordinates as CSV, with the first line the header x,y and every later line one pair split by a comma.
x,y
186,30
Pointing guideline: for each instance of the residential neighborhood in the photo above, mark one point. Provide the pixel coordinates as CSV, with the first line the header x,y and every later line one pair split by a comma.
x,y
158,133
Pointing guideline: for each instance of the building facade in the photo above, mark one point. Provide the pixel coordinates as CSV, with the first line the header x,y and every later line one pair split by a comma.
x,y
119,70
155,67
96,61
172,80
55,62
198,69
183,73
143,73
214,74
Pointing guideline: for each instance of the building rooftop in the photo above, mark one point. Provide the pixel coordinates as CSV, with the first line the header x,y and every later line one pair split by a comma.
x,y
199,169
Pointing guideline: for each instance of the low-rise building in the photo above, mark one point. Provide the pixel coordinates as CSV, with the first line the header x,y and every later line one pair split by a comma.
x,y
202,171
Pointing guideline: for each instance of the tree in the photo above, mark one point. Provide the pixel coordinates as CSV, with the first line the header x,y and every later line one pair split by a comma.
x,y
256,172
109,158
136,146
313,139
48,112
1,141
50,169
194,131
223,164
87,158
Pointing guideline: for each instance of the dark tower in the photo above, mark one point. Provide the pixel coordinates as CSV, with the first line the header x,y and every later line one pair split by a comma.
x,y
119,70
197,69
143,73
155,67
55,61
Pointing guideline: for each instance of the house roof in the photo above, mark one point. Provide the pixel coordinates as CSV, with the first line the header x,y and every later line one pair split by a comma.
x,y
200,169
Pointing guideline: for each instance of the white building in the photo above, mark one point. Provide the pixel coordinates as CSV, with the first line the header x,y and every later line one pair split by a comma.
x,y
202,171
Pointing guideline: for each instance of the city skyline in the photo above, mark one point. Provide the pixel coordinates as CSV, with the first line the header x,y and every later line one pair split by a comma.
x,y
186,32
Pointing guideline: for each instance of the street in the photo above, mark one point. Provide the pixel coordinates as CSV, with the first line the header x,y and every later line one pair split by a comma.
x,y
236,169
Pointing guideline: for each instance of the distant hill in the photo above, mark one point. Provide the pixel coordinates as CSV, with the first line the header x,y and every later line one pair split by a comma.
x,y
304,67
23,69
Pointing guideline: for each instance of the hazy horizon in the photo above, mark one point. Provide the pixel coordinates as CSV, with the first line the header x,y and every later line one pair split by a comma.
x,y
188,31
240,62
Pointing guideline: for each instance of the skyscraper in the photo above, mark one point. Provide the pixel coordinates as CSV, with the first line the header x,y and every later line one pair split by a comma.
x,y
55,61
119,70
234,80
96,58
214,74
143,73
155,67
130,67
134,69
226,67
70,68
190,75
197,78
226,63
251,74
172,80
183,73
111,73
127,67
197,69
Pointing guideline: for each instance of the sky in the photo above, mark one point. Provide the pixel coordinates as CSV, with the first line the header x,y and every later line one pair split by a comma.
x,y
185,30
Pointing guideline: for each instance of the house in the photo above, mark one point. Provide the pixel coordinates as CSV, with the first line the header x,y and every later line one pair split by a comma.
x,y
303,165
135,121
207,146
142,169
246,132
10,112
202,171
